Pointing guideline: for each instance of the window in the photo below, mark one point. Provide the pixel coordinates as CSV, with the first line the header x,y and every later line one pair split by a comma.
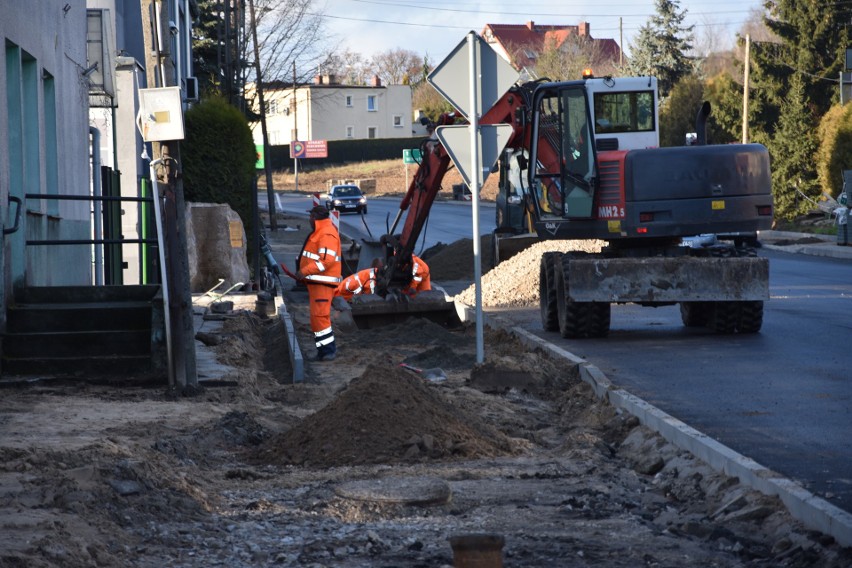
x,y
349,101
624,112
371,132
350,132
397,121
371,103
271,107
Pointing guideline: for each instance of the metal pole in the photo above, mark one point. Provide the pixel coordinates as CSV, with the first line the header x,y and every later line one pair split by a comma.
x,y
475,183
164,280
98,209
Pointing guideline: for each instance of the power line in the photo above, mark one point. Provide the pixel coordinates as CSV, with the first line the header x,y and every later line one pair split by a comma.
x,y
529,14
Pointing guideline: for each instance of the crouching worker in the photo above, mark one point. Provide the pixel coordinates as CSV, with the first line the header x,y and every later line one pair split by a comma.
x,y
362,282
420,281
320,269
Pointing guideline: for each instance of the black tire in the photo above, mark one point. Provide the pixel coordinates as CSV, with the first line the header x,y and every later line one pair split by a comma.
x,y
695,314
364,210
495,255
547,299
751,317
724,317
573,317
600,314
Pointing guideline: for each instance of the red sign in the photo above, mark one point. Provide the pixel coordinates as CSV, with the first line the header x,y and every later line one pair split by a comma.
x,y
309,149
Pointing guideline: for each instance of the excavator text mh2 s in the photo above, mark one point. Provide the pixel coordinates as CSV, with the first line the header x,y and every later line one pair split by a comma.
x,y
584,162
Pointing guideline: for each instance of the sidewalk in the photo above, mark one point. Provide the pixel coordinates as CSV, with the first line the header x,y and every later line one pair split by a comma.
x,y
804,243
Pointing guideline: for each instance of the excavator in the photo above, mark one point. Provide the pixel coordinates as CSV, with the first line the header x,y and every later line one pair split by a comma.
x,y
584,162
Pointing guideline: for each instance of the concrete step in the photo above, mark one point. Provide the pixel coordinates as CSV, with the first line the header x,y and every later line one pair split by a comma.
x,y
89,316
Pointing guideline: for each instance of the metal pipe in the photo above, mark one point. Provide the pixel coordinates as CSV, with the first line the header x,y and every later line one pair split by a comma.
x,y
158,216
96,192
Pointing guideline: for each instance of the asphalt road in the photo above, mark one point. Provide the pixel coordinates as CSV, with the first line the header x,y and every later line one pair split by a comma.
x,y
448,222
782,397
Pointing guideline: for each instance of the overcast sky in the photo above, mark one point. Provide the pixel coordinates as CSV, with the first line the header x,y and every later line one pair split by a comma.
x,y
435,27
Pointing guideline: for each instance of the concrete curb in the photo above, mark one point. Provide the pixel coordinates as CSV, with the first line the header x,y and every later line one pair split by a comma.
x,y
292,344
815,513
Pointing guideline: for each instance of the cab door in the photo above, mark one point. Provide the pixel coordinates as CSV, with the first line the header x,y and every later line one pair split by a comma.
x,y
564,171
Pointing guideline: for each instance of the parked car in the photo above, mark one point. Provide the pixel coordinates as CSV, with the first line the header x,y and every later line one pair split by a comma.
x,y
346,198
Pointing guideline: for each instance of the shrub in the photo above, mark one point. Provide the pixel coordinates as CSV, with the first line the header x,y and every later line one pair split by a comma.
x,y
219,159
835,148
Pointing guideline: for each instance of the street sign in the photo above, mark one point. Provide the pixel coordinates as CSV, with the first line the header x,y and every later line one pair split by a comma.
x,y
411,156
309,149
297,149
260,164
452,77
492,139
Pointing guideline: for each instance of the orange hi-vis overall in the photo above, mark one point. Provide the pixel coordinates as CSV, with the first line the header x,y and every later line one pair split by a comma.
x,y
420,281
362,282
319,263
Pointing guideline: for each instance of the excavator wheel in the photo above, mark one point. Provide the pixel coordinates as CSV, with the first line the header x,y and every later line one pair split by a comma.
x,y
724,317
695,314
547,295
578,319
751,317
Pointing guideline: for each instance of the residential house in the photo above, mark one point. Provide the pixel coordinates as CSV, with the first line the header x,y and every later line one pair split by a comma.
x,y
44,145
523,44
328,110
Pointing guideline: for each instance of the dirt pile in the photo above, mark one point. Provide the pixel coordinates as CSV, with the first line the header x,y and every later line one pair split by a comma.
x,y
387,415
515,282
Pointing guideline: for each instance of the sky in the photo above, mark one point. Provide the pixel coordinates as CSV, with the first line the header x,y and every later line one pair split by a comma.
x,y
436,27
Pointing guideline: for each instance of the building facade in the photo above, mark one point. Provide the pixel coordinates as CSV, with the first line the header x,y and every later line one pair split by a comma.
x,y
44,144
327,110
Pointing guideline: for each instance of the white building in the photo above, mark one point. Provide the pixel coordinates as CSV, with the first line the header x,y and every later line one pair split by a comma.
x,y
327,110
44,144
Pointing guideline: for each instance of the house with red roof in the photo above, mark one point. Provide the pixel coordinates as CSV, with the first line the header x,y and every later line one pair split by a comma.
x,y
523,44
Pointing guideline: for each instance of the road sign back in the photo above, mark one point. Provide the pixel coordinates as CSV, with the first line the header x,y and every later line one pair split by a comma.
x,y
452,77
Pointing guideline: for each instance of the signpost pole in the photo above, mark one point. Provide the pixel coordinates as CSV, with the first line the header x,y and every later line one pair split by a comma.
x,y
475,177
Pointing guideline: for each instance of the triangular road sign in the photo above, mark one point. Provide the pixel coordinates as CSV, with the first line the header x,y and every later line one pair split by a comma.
x,y
491,140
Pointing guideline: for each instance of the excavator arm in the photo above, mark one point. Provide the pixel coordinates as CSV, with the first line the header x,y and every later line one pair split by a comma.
x,y
426,183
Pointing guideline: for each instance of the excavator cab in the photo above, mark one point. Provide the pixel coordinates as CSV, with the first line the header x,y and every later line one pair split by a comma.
x,y
564,173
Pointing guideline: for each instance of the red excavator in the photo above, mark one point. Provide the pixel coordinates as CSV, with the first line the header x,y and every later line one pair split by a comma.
x,y
584,162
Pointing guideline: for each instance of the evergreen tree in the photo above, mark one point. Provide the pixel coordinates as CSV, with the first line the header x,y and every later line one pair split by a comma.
x,y
793,85
794,180
662,45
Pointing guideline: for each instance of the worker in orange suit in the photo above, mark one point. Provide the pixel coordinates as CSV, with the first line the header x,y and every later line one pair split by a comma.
x,y
362,282
320,269
420,281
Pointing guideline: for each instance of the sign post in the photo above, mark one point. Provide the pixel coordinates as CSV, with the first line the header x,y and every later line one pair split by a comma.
x,y
473,77
410,156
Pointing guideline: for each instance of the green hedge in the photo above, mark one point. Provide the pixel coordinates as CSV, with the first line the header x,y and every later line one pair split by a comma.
x,y
835,148
219,158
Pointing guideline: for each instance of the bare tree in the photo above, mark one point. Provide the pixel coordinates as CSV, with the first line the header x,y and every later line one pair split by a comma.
x,y
566,60
349,67
397,66
288,32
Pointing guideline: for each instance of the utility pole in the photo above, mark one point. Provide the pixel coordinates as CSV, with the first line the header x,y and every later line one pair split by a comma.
x,y
620,42
295,128
175,273
745,87
267,163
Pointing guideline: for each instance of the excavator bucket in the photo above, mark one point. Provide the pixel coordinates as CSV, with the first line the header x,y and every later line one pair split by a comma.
x,y
371,311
